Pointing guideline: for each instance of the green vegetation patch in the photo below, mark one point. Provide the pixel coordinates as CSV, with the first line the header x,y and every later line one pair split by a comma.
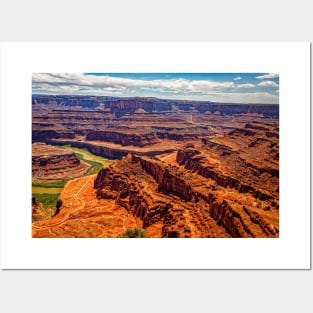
x,y
48,200
59,184
47,204
95,167
46,190
134,233
84,154
96,162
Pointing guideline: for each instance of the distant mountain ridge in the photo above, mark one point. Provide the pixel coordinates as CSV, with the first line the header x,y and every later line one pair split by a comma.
x,y
121,105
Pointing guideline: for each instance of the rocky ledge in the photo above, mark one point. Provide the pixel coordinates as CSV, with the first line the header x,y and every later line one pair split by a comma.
x,y
125,139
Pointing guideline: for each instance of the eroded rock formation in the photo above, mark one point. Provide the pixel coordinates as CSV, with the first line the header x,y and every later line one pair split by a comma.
x,y
50,164
125,139
184,202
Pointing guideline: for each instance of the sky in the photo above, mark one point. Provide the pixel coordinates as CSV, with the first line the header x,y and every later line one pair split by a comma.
x,y
216,87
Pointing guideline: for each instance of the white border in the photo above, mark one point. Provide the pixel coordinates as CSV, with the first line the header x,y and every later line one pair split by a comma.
x,y
290,251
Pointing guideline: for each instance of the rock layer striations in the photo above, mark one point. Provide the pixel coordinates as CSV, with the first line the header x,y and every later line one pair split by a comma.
x,y
51,164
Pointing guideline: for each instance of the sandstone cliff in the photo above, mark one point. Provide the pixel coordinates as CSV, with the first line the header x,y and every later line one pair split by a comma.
x,y
125,139
182,202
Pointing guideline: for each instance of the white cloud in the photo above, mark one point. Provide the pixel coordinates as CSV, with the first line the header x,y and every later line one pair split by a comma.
x,y
82,84
237,78
246,86
106,82
268,83
270,75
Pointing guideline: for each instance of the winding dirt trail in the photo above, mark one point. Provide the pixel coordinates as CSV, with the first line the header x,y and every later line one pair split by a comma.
x,y
83,215
75,204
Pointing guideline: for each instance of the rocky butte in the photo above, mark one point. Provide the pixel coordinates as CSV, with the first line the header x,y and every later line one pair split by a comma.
x,y
183,169
52,164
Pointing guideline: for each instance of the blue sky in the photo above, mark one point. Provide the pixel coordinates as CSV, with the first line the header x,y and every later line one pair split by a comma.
x,y
220,87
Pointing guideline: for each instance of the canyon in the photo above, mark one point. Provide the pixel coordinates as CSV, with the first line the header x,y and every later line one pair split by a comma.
x,y
182,169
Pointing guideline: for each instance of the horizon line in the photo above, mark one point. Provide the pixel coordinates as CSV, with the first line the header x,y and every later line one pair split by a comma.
x,y
168,99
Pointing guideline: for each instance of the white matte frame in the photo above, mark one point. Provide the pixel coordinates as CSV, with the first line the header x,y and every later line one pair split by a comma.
x,y
290,251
